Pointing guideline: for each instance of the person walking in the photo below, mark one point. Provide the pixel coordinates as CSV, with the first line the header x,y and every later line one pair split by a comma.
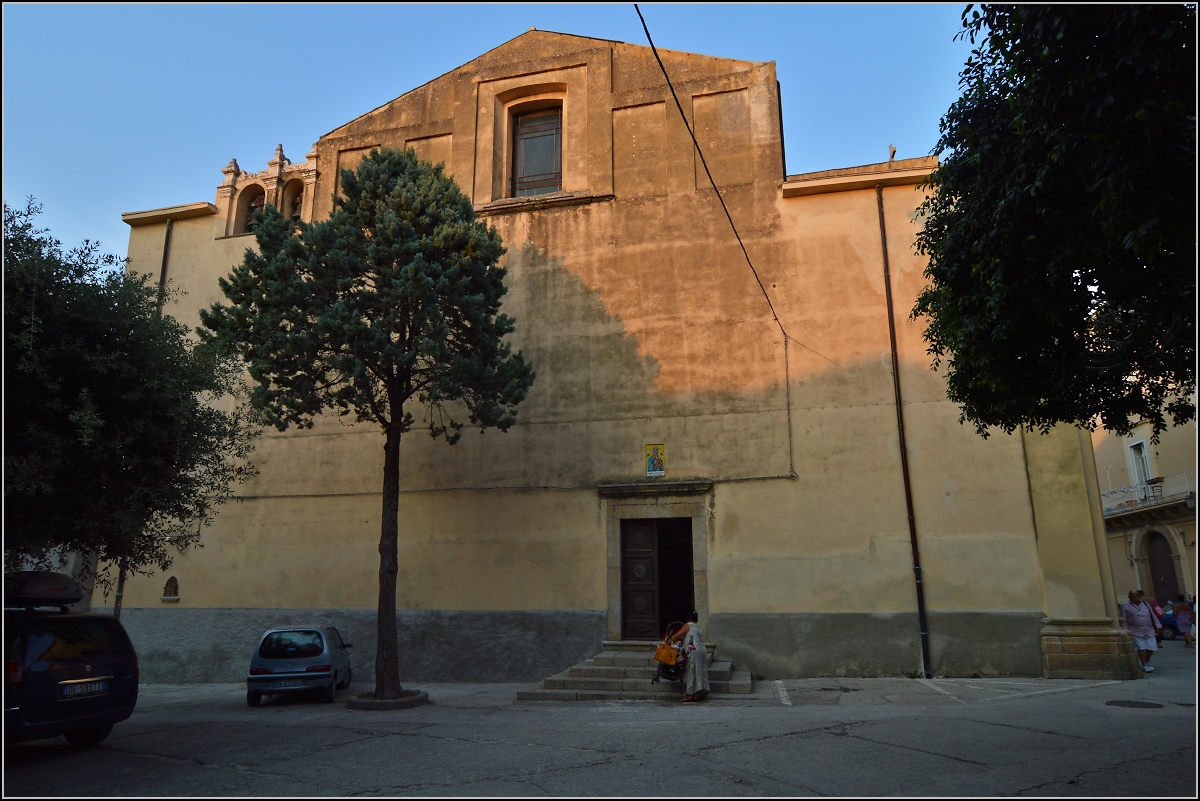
x,y
1183,620
1140,621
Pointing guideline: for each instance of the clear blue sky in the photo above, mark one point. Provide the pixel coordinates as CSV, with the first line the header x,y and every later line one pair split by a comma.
x,y
115,108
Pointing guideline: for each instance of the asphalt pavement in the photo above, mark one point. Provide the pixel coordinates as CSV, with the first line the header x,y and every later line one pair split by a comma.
x,y
811,737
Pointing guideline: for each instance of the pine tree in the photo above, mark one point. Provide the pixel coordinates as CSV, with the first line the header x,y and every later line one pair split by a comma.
x,y
394,298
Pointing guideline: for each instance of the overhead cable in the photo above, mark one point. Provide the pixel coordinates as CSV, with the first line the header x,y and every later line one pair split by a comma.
x,y
787,379
707,171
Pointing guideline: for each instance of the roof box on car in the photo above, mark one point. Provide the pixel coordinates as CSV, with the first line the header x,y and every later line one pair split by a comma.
x,y
42,588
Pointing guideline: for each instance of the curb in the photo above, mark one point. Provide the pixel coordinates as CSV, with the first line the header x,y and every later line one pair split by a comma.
x,y
417,699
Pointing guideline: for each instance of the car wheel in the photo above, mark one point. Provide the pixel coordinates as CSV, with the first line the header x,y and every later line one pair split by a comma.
x,y
1169,633
253,698
349,676
327,692
89,737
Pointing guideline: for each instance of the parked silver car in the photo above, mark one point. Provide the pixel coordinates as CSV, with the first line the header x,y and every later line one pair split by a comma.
x,y
299,659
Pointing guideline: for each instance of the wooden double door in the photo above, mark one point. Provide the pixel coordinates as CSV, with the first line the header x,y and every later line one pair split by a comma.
x,y
657,586
1164,581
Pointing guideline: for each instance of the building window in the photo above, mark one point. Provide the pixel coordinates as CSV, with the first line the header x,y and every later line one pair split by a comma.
x,y
537,152
1141,465
171,591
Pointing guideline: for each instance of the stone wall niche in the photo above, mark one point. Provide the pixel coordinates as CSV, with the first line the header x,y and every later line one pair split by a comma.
x,y
499,100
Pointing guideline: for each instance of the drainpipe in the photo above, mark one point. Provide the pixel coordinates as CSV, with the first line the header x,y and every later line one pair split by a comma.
x,y
912,520
162,275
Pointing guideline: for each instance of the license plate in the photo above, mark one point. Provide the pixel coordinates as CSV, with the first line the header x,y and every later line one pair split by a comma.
x,y
83,688
286,683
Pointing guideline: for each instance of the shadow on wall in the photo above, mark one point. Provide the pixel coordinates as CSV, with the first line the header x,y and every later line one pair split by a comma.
x,y
587,366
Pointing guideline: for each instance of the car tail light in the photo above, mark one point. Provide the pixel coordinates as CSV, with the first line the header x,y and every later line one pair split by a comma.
x,y
320,669
260,671
16,674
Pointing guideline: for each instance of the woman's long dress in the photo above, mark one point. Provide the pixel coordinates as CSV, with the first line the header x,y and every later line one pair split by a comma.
x,y
695,680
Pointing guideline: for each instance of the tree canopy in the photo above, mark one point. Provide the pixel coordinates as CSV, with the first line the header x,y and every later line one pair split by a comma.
x,y
116,444
394,298
1061,227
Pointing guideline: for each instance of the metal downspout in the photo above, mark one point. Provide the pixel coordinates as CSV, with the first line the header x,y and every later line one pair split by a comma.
x,y
912,520
162,275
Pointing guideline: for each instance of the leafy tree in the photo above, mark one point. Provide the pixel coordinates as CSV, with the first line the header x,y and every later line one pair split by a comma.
x,y
1061,227
394,297
115,442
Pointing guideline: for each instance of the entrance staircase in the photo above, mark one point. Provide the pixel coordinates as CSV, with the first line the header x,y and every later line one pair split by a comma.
x,y
623,673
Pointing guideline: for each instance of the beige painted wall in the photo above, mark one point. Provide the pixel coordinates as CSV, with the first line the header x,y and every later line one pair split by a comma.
x,y
1172,455
645,324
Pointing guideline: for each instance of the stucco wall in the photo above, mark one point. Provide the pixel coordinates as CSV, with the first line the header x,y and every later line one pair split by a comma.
x,y
645,324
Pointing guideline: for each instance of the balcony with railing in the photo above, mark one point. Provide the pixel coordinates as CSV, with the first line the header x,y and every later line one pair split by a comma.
x,y
1162,491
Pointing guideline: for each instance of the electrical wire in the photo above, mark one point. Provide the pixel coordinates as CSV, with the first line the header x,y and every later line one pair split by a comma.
x,y
706,170
787,379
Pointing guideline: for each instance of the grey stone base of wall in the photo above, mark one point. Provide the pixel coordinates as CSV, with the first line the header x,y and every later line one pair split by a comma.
x,y
961,644
179,646
214,645
1088,649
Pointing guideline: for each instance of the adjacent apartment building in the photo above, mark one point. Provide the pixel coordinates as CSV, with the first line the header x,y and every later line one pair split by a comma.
x,y
768,446
1148,491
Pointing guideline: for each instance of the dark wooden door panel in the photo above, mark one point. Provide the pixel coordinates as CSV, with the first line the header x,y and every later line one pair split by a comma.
x,y
639,581
1162,569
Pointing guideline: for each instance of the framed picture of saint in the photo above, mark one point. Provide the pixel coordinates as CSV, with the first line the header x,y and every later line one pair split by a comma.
x,y
656,460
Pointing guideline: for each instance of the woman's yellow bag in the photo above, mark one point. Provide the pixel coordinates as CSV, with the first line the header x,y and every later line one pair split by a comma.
x,y
665,654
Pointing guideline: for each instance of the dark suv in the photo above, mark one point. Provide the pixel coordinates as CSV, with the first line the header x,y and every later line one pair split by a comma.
x,y
65,674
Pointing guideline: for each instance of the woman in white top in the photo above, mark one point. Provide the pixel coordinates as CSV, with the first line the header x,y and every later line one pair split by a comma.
x,y
695,680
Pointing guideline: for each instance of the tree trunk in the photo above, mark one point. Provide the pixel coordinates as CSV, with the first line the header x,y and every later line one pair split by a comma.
x,y
120,588
387,656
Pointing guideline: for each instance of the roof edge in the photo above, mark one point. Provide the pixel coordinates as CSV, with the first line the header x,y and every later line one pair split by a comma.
x,y
186,211
865,176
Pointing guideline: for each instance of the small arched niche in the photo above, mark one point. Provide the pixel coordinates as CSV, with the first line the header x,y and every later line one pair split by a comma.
x,y
251,199
293,200
171,591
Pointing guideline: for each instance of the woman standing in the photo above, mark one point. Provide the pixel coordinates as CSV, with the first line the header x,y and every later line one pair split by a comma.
x,y
695,680
1183,621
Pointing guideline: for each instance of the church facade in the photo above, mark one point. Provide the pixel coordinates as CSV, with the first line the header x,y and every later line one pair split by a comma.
x,y
746,425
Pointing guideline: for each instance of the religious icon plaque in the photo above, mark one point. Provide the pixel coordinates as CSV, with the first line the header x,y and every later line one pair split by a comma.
x,y
656,460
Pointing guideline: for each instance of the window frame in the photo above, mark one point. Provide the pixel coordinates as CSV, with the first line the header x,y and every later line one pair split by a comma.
x,y
521,185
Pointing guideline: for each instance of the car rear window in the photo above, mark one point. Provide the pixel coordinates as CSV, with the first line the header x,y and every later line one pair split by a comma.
x,y
52,639
292,644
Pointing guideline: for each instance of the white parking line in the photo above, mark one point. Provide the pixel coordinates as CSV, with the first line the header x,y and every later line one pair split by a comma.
x,y
1024,683
981,688
781,691
1004,695
933,686
1044,692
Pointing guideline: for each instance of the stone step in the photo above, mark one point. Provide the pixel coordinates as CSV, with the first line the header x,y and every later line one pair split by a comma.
x,y
622,695
632,659
716,670
644,646
623,672
738,682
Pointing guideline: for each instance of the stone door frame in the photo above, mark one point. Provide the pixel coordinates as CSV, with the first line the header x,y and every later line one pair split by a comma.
x,y
655,501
